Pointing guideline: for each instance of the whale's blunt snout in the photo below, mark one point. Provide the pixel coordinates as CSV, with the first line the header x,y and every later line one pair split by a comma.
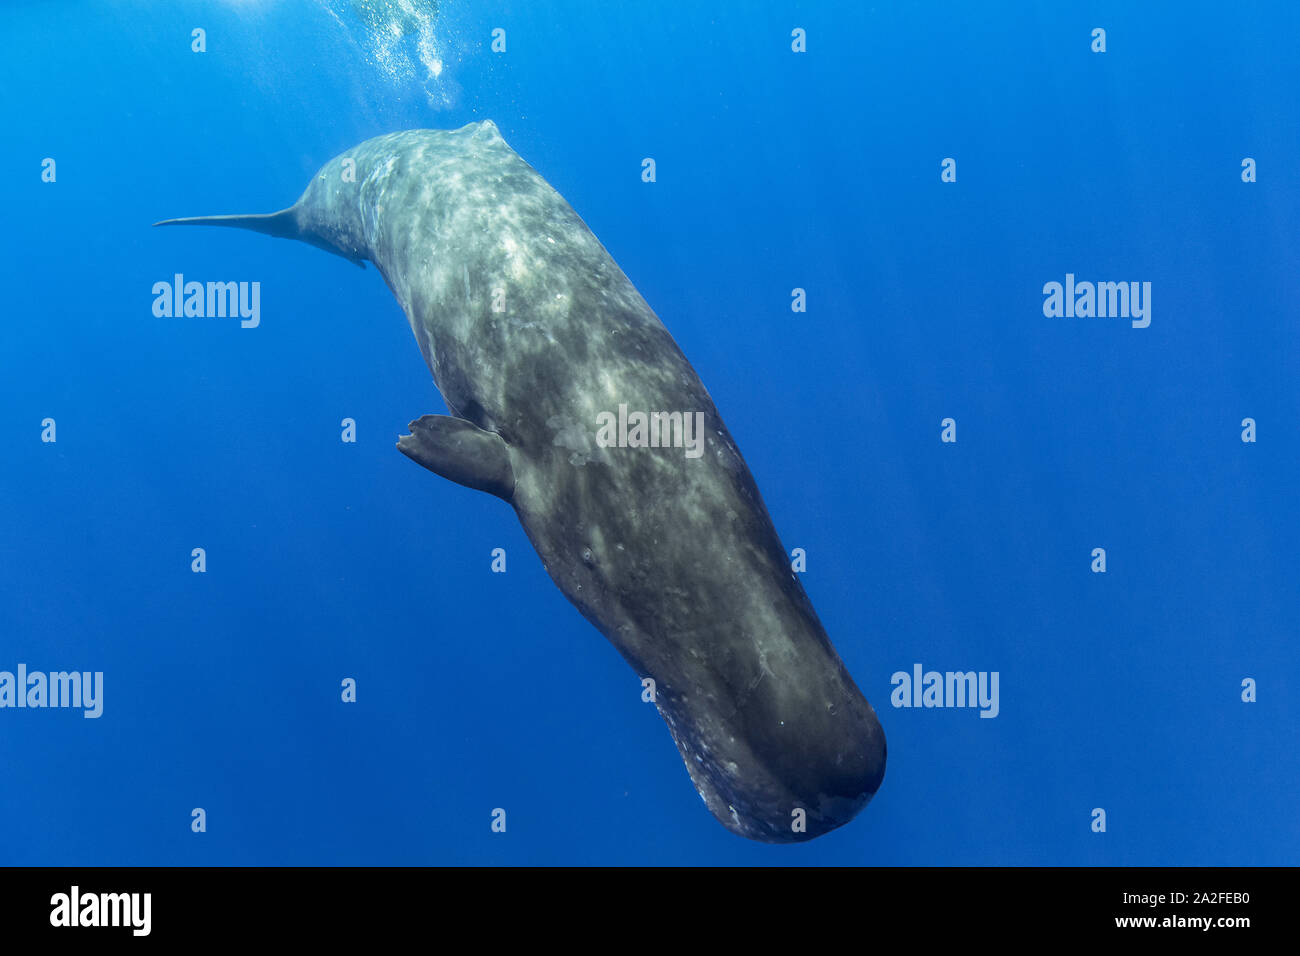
x,y
790,772
844,776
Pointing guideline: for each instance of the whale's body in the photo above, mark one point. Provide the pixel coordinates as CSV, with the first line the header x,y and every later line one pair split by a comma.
x,y
532,331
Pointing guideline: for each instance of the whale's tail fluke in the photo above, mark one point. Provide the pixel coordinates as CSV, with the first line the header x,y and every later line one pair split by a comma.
x,y
284,224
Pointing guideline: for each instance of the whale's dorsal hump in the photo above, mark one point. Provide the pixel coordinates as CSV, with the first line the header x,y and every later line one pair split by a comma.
x,y
484,131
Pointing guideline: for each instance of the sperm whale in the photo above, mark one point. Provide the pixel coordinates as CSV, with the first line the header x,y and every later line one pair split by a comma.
x,y
570,401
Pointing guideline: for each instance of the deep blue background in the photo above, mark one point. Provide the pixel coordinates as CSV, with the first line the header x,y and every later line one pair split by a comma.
x,y
775,170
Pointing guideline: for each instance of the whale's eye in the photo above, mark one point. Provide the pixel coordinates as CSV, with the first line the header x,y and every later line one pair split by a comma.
x,y
586,556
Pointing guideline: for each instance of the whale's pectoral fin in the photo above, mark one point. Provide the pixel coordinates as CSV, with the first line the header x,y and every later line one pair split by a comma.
x,y
462,452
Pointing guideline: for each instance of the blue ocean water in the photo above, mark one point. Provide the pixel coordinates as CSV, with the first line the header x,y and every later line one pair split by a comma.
x,y
775,170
